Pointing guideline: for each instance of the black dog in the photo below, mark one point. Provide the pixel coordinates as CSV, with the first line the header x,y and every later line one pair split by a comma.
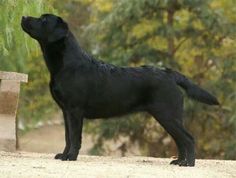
x,y
86,88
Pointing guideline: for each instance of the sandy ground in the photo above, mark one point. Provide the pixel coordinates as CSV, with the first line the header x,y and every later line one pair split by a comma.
x,y
24,165
50,139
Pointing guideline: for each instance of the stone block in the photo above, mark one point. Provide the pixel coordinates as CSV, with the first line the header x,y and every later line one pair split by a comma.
x,y
9,96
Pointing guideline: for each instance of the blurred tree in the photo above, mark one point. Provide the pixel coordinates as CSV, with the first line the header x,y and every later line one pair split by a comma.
x,y
78,15
196,37
18,52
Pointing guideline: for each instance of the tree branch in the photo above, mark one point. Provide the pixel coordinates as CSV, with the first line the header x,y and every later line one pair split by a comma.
x,y
179,45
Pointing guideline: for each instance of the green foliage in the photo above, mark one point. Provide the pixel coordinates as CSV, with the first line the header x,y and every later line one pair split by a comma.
x,y
18,52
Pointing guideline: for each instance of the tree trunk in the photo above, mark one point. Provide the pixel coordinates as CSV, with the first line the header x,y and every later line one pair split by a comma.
x,y
171,45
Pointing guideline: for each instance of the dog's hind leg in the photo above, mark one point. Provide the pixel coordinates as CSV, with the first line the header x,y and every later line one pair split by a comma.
x,y
170,117
183,140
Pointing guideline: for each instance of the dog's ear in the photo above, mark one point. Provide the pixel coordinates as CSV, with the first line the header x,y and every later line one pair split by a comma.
x,y
61,31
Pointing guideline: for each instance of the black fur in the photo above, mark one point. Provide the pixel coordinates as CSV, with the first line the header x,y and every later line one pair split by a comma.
x,y
194,91
84,87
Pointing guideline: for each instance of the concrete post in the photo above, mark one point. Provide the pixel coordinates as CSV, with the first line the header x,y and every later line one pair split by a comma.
x,y
9,95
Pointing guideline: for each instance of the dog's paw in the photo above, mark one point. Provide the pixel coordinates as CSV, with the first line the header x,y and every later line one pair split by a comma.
x,y
175,162
72,156
186,163
61,156
67,156
182,162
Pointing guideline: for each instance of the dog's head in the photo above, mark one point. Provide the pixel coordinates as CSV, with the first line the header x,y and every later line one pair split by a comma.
x,y
47,28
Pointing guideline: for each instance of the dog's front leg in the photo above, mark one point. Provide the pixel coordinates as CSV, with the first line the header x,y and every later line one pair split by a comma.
x,y
63,155
75,126
58,99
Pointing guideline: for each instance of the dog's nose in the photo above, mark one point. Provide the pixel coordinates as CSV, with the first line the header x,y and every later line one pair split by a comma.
x,y
24,17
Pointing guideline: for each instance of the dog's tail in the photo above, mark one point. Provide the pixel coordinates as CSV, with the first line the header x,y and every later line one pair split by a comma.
x,y
192,90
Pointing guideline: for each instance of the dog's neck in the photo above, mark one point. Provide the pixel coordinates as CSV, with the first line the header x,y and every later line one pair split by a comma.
x,y
54,53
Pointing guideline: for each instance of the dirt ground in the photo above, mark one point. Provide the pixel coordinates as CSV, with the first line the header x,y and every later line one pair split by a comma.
x,y
24,165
